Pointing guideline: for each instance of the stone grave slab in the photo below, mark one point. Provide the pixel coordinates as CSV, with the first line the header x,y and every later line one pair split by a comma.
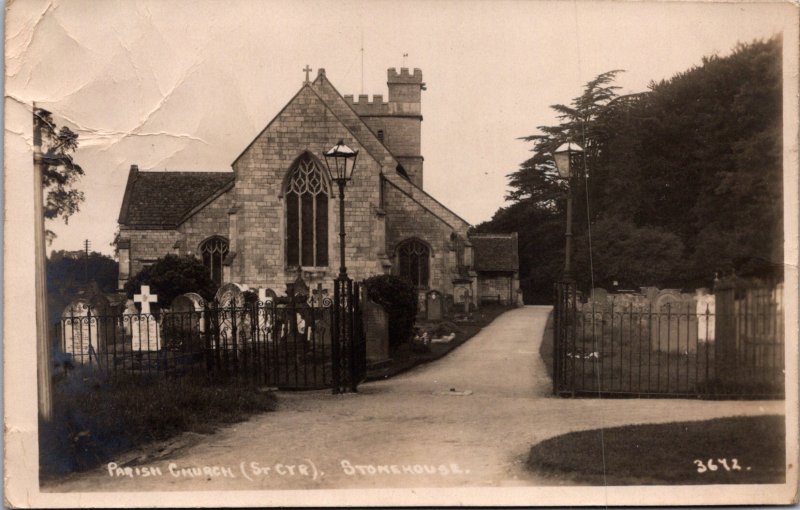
x,y
79,333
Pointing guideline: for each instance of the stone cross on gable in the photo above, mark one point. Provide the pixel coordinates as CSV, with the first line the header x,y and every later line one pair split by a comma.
x,y
307,71
144,297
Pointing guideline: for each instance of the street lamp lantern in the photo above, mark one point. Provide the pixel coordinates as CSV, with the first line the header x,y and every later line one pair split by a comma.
x,y
563,158
341,161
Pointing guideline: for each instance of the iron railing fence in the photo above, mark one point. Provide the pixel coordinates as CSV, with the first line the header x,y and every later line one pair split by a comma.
x,y
287,345
677,350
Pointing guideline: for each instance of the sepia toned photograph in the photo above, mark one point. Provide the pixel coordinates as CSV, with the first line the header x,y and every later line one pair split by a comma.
x,y
269,253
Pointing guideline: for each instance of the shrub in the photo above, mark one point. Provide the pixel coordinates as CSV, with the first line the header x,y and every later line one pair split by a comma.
x,y
96,417
171,276
399,298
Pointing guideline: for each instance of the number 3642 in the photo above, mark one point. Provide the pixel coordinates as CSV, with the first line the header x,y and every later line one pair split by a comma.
x,y
712,465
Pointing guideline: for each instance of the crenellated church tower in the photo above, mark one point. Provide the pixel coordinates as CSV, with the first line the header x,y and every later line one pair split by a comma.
x,y
398,122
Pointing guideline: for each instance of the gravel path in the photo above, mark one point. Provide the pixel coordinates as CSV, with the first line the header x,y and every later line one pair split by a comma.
x,y
409,431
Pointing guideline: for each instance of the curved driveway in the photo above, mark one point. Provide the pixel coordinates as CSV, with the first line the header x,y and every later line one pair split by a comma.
x,y
411,431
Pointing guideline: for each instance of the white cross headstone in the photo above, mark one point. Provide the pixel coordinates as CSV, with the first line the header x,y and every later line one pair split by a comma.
x,y
144,297
145,328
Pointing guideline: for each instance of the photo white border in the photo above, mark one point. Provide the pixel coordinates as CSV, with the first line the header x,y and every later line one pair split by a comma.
x,y
21,443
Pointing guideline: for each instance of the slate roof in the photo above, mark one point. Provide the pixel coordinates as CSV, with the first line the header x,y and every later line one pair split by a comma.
x,y
495,252
163,199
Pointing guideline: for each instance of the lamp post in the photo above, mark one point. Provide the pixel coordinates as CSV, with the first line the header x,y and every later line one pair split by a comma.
x,y
564,163
340,161
566,288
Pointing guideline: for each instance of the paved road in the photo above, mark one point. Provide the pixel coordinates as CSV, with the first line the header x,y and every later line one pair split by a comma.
x,y
411,431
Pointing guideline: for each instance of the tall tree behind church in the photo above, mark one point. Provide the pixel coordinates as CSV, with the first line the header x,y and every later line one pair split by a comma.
x,y
684,180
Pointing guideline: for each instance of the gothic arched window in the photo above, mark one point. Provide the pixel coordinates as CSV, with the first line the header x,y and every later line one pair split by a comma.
x,y
306,215
413,262
213,251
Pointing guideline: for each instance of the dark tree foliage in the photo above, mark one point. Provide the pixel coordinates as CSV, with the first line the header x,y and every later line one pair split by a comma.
x,y
60,173
679,183
399,299
171,276
68,272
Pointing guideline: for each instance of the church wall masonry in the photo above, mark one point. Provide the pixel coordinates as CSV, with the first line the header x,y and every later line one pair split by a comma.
x,y
306,124
209,221
406,219
148,245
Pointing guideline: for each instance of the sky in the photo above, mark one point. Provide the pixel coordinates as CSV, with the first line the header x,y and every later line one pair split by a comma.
x,y
178,85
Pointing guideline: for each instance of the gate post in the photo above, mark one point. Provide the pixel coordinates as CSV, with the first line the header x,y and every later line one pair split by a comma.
x,y
563,315
348,350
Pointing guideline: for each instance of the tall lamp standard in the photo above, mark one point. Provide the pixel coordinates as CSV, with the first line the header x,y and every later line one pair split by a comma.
x,y
563,157
340,161
565,288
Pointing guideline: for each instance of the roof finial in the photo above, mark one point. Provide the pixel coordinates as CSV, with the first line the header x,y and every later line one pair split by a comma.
x,y
307,71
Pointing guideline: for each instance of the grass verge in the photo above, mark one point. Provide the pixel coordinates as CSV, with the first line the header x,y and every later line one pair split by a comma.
x,y
97,418
669,453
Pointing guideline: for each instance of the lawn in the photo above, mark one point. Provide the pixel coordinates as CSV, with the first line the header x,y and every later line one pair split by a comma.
x,y
96,418
405,357
738,450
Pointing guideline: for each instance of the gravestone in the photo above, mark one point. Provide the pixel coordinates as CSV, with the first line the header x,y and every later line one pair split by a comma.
x,y
230,302
650,293
144,325
376,327
598,298
463,296
266,296
674,323
706,309
266,313
433,305
422,308
623,302
79,334
184,325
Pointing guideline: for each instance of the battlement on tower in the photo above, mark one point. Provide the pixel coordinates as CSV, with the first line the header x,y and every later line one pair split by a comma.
x,y
364,106
404,76
396,122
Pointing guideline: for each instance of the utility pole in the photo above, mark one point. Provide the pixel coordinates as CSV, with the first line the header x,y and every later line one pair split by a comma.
x,y
42,320
86,244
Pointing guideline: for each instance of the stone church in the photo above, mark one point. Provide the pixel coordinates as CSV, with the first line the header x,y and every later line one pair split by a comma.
x,y
274,217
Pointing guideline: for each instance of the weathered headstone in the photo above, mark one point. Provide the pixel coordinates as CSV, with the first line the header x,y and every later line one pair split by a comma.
x,y
650,293
706,308
184,325
230,301
376,327
266,313
674,323
463,296
433,305
266,296
79,335
422,308
599,298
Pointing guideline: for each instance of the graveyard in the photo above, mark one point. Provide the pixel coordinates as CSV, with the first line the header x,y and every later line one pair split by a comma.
x,y
463,410
664,342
